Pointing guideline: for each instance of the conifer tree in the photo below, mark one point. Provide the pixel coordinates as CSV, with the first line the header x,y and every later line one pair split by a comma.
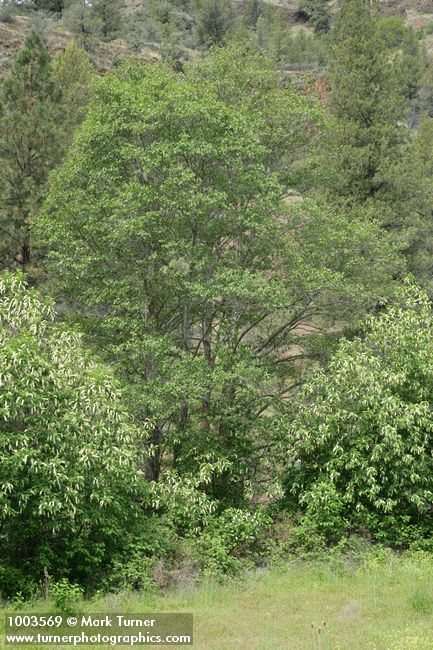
x,y
110,17
366,103
30,145
252,12
409,200
54,6
320,16
81,20
411,65
317,12
73,72
214,21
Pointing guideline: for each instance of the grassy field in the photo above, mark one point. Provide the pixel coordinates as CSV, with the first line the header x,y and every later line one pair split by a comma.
x,y
374,604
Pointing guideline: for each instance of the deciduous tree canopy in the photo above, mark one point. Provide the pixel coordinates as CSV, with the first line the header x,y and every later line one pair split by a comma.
x,y
168,224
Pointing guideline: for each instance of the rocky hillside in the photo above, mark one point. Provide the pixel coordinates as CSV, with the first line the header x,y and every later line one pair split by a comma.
x,y
104,55
417,14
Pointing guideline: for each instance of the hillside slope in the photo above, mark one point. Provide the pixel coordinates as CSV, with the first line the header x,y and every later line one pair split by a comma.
x,y
415,13
104,55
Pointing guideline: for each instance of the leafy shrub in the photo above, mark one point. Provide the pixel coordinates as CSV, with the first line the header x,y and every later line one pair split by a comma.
x,y
421,602
66,596
232,541
70,490
42,22
392,31
7,13
134,572
81,20
183,497
154,545
222,543
361,440
426,30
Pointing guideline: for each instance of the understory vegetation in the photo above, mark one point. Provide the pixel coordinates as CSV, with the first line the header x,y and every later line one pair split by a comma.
x,y
216,328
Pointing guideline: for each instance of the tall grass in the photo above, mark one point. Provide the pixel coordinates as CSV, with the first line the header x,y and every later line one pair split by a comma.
x,y
378,603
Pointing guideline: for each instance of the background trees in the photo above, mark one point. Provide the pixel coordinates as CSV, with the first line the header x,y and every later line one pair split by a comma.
x,y
366,103
74,74
252,11
30,145
108,12
86,26
317,13
214,21
409,202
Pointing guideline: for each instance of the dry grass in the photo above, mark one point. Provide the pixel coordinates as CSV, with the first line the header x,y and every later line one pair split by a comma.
x,y
104,55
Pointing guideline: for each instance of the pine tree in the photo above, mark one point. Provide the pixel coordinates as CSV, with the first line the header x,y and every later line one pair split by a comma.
x,y
214,21
411,65
73,72
366,103
55,6
110,17
252,12
320,16
317,12
82,21
30,145
409,200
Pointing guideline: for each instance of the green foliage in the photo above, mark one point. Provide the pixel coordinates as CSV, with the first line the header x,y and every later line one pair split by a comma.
x,y
42,22
30,145
291,48
156,549
232,541
366,104
252,10
409,58
299,50
66,597
182,498
69,483
411,67
392,31
82,21
214,21
135,34
425,31
7,12
176,185
167,27
360,444
421,602
213,544
407,203
182,245
133,571
54,6
317,13
108,14
74,75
